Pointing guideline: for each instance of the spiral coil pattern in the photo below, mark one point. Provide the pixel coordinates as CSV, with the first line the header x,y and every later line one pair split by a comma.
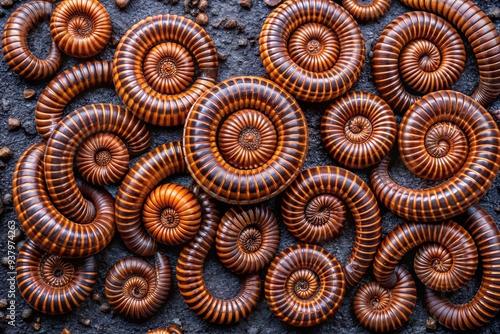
x,y
367,12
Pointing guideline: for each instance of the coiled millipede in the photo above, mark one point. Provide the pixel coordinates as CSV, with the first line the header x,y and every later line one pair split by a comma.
x,y
245,140
51,284
311,207
384,310
189,273
367,12
247,239
80,28
151,169
64,87
64,141
42,222
312,48
481,34
433,137
136,289
171,329
358,129
485,304
304,285
154,67
418,50
15,48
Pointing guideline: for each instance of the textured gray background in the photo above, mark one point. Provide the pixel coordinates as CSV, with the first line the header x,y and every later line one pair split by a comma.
x,y
241,60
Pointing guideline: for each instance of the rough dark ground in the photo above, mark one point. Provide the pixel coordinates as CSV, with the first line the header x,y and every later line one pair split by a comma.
x,y
241,60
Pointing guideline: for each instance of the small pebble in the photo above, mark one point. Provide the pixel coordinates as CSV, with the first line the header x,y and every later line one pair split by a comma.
x,y
230,24
65,331
29,93
6,3
202,19
18,235
5,261
5,105
222,56
5,153
122,3
431,324
494,13
27,313
242,42
7,199
96,297
85,321
13,124
3,304
217,24
105,307
38,319
37,326
203,5
246,3
29,127
497,209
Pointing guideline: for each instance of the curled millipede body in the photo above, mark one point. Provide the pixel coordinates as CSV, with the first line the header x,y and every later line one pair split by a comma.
x,y
51,284
247,239
485,304
143,177
384,310
80,28
358,129
245,140
481,34
319,35
406,236
172,214
189,273
433,137
43,223
304,285
102,159
308,210
154,67
64,141
369,12
64,87
418,50
171,329
136,289
15,49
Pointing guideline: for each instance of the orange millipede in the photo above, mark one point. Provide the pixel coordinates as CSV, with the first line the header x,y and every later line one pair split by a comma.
x,y
64,87
325,39
64,141
15,49
369,12
315,226
171,329
154,67
467,180
136,289
482,35
42,222
190,273
51,284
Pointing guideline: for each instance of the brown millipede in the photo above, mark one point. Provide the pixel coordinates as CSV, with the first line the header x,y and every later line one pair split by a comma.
x,y
154,67
43,223
64,141
304,285
245,140
189,273
317,29
171,329
80,28
369,12
15,49
64,87
136,289
466,183
358,129
308,213
51,284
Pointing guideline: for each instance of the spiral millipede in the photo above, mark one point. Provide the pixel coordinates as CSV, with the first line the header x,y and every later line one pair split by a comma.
x,y
484,306
44,224
64,141
189,273
136,289
64,87
167,41
80,28
354,192
15,47
420,50
293,20
304,285
467,184
358,129
268,135
481,34
165,160
171,329
369,12
51,284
